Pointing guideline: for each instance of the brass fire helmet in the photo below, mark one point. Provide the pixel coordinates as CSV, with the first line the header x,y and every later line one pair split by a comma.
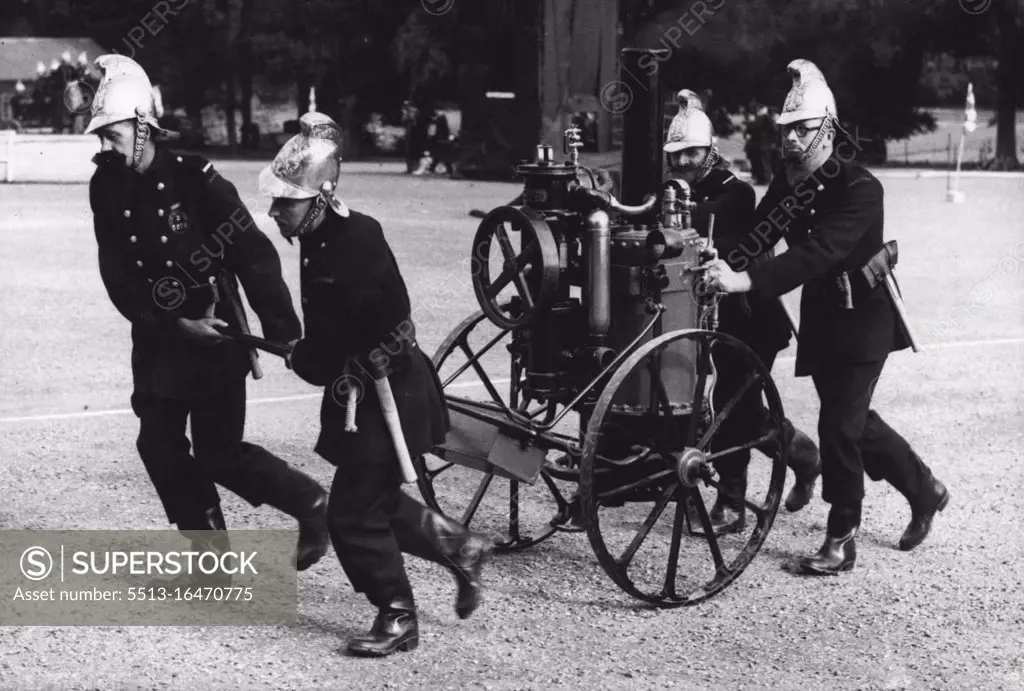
x,y
810,98
124,93
307,167
690,128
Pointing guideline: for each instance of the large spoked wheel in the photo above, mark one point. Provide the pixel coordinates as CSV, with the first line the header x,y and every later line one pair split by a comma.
x,y
637,460
530,270
474,363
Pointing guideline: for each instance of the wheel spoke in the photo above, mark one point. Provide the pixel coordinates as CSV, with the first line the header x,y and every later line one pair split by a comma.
x,y
639,484
477,497
499,283
523,268
471,357
727,410
649,522
753,444
474,362
524,290
709,533
507,251
518,273
669,589
696,409
513,511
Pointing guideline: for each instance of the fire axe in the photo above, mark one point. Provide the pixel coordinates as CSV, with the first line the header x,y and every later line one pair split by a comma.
x,y
881,269
255,342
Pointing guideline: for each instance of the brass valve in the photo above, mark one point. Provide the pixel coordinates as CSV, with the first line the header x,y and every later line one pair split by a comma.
x,y
677,205
573,142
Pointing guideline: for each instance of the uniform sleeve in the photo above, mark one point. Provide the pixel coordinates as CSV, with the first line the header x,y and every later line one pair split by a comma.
x,y
128,294
734,211
252,257
382,303
835,234
310,361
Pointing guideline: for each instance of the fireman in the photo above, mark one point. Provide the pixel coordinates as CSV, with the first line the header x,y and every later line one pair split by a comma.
x,y
759,322
156,214
830,211
359,331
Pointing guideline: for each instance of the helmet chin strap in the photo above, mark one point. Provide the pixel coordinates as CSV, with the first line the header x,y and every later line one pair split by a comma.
x,y
710,159
709,162
320,202
141,137
827,127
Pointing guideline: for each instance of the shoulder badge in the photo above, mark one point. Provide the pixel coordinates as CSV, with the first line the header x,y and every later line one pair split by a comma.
x,y
198,163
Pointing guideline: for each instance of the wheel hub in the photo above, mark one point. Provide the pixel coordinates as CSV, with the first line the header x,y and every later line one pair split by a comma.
x,y
691,465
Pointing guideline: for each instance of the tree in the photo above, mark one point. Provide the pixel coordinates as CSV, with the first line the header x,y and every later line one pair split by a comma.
x,y
864,48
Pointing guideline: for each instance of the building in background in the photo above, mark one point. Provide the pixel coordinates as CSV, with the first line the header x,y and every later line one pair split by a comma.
x,y
33,72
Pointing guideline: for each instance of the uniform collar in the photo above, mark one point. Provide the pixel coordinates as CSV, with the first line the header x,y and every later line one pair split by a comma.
x,y
327,228
716,177
160,166
826,175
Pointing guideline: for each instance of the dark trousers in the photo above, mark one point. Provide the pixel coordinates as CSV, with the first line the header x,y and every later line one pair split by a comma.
x,y
372,522
744,423
855,440
186,482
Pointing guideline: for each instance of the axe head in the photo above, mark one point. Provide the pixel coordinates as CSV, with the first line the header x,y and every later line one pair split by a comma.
x,y
881,264
893,250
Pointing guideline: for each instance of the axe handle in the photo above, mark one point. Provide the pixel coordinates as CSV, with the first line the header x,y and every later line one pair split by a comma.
x,y
390,410
255,342
789,318
243,325
894,298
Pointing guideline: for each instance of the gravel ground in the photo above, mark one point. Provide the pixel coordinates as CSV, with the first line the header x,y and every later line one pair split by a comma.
x,y
949,615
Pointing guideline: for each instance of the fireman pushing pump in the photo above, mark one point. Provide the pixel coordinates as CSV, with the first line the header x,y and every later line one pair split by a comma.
x,y
849,320
760,322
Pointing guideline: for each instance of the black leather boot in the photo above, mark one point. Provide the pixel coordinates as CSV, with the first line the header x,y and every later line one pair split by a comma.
x,y
839,551
805,461
395,629
208,533
464,553
302,498
923,508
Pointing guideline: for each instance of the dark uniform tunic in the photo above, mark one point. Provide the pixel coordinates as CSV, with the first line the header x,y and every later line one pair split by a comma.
x,y
358,328
833,223
836,227
162,236
355,305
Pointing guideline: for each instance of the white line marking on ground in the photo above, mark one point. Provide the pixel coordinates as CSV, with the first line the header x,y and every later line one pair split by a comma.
x,y
460,385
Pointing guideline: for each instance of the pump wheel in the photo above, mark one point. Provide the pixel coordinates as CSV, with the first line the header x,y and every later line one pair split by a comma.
x,y
636,462
473,363
533,272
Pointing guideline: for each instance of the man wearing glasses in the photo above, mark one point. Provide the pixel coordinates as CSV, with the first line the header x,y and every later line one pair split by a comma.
x,y
830,211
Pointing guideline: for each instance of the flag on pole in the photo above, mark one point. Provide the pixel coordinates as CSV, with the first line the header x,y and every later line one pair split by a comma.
x,y
970,115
